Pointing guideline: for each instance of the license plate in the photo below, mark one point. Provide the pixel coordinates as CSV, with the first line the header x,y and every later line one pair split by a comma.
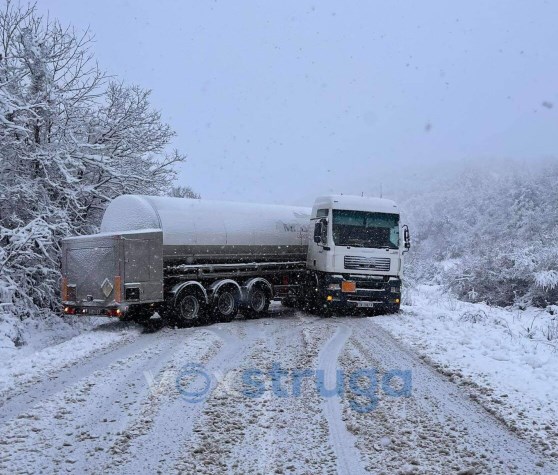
x,y
365,304
90,311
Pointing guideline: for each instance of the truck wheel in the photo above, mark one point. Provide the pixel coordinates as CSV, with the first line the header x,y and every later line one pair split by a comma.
x,y
326,312
386,309
393,308
258,303
188,308
287,302
293,302
225,305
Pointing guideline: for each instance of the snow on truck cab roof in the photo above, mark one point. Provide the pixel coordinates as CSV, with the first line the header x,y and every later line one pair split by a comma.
x,y
355,203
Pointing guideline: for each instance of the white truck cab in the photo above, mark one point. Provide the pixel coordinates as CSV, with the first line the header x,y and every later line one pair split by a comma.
x,y
357,251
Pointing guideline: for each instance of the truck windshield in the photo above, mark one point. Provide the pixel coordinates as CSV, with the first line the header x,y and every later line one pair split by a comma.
x,y
365,229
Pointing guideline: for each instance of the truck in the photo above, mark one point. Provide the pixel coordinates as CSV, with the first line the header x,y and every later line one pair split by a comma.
x,y
196,261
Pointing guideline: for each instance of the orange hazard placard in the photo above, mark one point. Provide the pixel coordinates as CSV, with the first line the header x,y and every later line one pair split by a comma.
x,y
348,286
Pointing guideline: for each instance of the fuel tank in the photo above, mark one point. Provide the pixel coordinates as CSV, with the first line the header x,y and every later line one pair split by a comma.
x,y
198,231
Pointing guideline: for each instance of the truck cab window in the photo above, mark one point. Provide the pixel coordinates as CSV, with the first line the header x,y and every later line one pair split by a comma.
x,y
365,229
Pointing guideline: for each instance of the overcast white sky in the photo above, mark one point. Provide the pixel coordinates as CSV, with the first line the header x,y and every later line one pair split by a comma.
x,y
281,101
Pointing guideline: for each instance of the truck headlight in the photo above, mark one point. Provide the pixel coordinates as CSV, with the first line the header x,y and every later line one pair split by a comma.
x,y
395,290
333,286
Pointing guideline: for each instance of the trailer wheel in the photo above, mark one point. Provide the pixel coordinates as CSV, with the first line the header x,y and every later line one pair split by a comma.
x,y
258,302
225,304
137,314
188,308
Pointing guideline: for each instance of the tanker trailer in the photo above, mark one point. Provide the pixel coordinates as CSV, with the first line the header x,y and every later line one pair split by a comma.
x,y
193,261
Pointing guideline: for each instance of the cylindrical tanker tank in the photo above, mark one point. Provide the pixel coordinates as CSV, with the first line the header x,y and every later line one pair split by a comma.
x,y
198,231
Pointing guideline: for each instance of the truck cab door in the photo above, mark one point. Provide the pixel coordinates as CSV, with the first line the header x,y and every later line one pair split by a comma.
x,y
318,248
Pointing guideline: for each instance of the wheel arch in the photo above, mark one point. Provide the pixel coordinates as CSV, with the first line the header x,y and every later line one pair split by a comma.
x,y
178,288
257,282
216,286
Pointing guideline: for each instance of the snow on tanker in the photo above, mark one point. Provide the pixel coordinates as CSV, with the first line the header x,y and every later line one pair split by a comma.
x,y
197,261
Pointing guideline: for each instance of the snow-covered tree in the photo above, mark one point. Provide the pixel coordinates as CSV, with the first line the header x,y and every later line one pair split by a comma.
x,y
490,233
70,141
184,192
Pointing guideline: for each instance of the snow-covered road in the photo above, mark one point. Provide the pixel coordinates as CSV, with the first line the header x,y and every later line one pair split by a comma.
x,y
293,393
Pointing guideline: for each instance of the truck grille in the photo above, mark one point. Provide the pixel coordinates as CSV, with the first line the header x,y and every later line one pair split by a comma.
x,y
368,263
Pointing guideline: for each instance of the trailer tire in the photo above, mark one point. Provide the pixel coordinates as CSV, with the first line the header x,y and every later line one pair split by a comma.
x,y
189,308
137,314
259,299
226,304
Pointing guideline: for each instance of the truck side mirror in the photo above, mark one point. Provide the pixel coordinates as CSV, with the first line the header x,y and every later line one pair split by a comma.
x,y
323,236
407,237
318,232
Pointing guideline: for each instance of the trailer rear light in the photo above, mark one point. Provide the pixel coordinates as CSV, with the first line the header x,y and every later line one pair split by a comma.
x,y
69,310
348,286
113,312
285,280
118,289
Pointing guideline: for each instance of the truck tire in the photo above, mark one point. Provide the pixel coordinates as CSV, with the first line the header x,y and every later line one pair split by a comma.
x,y
295,302
137,314
325,311
258,302
392,308
225,304
386,309
189,308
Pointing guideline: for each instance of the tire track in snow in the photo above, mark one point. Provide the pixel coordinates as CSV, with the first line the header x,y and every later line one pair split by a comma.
x,y
441,425
343,442
156,446
237,433
71,429
54,381
22,374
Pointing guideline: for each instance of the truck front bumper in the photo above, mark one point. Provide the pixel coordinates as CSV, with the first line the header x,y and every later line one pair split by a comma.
x,y
367,292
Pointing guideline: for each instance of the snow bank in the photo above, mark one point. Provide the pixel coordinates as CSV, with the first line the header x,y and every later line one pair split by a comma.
x,y
52,343
506,356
